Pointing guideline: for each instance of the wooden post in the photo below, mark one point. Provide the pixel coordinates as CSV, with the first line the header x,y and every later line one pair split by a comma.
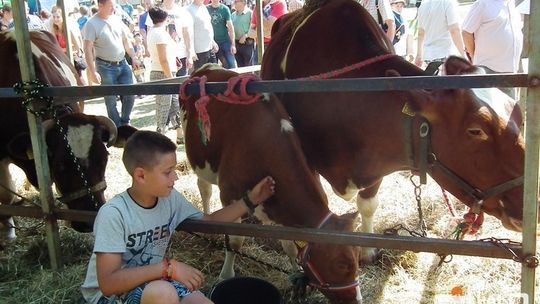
x,y
532,139
39,146
260,30
66,30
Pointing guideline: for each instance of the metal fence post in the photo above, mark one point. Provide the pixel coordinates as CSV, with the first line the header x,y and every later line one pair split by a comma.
x,y
532,139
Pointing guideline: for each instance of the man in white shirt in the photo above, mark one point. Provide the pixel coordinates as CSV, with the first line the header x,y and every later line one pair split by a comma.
x,y
492,35
381,11
439,33
180,27
203,34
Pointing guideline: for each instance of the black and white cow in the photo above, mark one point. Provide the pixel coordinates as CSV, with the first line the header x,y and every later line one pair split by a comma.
x,y
86,134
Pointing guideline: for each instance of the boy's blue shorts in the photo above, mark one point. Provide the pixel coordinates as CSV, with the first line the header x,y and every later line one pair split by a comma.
x,y
134,296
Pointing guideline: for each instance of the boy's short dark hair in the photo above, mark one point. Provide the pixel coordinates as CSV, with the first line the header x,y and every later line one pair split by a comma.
x,y
157,14
144,148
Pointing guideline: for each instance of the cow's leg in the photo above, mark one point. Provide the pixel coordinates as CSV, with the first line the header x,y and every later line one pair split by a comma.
x,y
292,252
205,189
6,197
235,243
367,203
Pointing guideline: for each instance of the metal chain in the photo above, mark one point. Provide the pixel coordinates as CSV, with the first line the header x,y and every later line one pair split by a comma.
x,y
31,92
418,197
531,261
400,227
63,133
444,258
226,246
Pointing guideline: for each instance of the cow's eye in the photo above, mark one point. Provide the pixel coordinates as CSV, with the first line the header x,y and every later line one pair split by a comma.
x,y
477,133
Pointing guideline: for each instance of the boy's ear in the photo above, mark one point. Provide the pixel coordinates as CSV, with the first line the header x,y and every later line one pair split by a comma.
x,y
138,174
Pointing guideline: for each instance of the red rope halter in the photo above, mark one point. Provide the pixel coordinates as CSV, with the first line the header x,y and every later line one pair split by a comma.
x,y
350,68
229,96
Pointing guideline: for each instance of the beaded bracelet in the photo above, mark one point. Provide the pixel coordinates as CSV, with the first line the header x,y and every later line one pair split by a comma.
x,y
172,269
165,265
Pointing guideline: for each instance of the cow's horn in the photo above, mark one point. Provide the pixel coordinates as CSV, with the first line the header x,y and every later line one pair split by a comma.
x,y
47,125
109,125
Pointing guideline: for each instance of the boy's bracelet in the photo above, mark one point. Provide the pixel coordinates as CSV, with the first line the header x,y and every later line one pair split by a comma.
x,y
172,269
251,206
165,265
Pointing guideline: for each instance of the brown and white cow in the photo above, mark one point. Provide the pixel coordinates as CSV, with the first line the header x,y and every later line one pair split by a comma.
x,y
354,139
86,134
249,142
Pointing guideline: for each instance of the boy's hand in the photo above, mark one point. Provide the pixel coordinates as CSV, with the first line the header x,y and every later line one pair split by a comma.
x,y
191,277
263,190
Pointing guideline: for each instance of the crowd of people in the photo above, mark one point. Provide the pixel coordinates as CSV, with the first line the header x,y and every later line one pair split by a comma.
x,y
112,41
490,34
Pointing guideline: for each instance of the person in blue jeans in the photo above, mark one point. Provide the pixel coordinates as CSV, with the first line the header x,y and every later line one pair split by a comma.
x,y
116,73
106,40
223,33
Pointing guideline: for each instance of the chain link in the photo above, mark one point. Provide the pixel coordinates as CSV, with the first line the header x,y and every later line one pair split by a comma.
x,y
530,261
31,93
75,160
418,197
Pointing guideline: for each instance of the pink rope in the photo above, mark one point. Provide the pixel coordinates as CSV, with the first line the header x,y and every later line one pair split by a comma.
x,y
469,224
448,203
229,96
200,105
347,69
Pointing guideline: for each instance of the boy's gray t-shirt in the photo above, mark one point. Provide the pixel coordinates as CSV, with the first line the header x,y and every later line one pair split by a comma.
x,y
140,235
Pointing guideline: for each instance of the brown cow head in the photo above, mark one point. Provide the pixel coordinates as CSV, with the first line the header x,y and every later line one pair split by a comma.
x,y
86,135
476,134
333,269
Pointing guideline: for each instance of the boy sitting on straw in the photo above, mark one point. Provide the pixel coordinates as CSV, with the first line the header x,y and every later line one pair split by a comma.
x,y
133,229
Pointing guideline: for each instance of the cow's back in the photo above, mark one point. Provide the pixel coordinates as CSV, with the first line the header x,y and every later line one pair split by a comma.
x,y
52,68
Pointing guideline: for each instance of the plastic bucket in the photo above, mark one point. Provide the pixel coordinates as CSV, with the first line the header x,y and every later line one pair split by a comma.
x,y
245,290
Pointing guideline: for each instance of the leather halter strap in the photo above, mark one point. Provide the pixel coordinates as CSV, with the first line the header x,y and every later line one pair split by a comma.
x,y
303,259
64,199
427,160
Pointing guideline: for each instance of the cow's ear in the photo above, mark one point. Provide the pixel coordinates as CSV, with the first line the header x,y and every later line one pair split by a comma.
x,y
391,73
20,147
420,102
458,66
347,221
124,132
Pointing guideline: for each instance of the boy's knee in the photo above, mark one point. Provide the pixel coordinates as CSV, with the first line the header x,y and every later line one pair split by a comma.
x,y
157,292
196,298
